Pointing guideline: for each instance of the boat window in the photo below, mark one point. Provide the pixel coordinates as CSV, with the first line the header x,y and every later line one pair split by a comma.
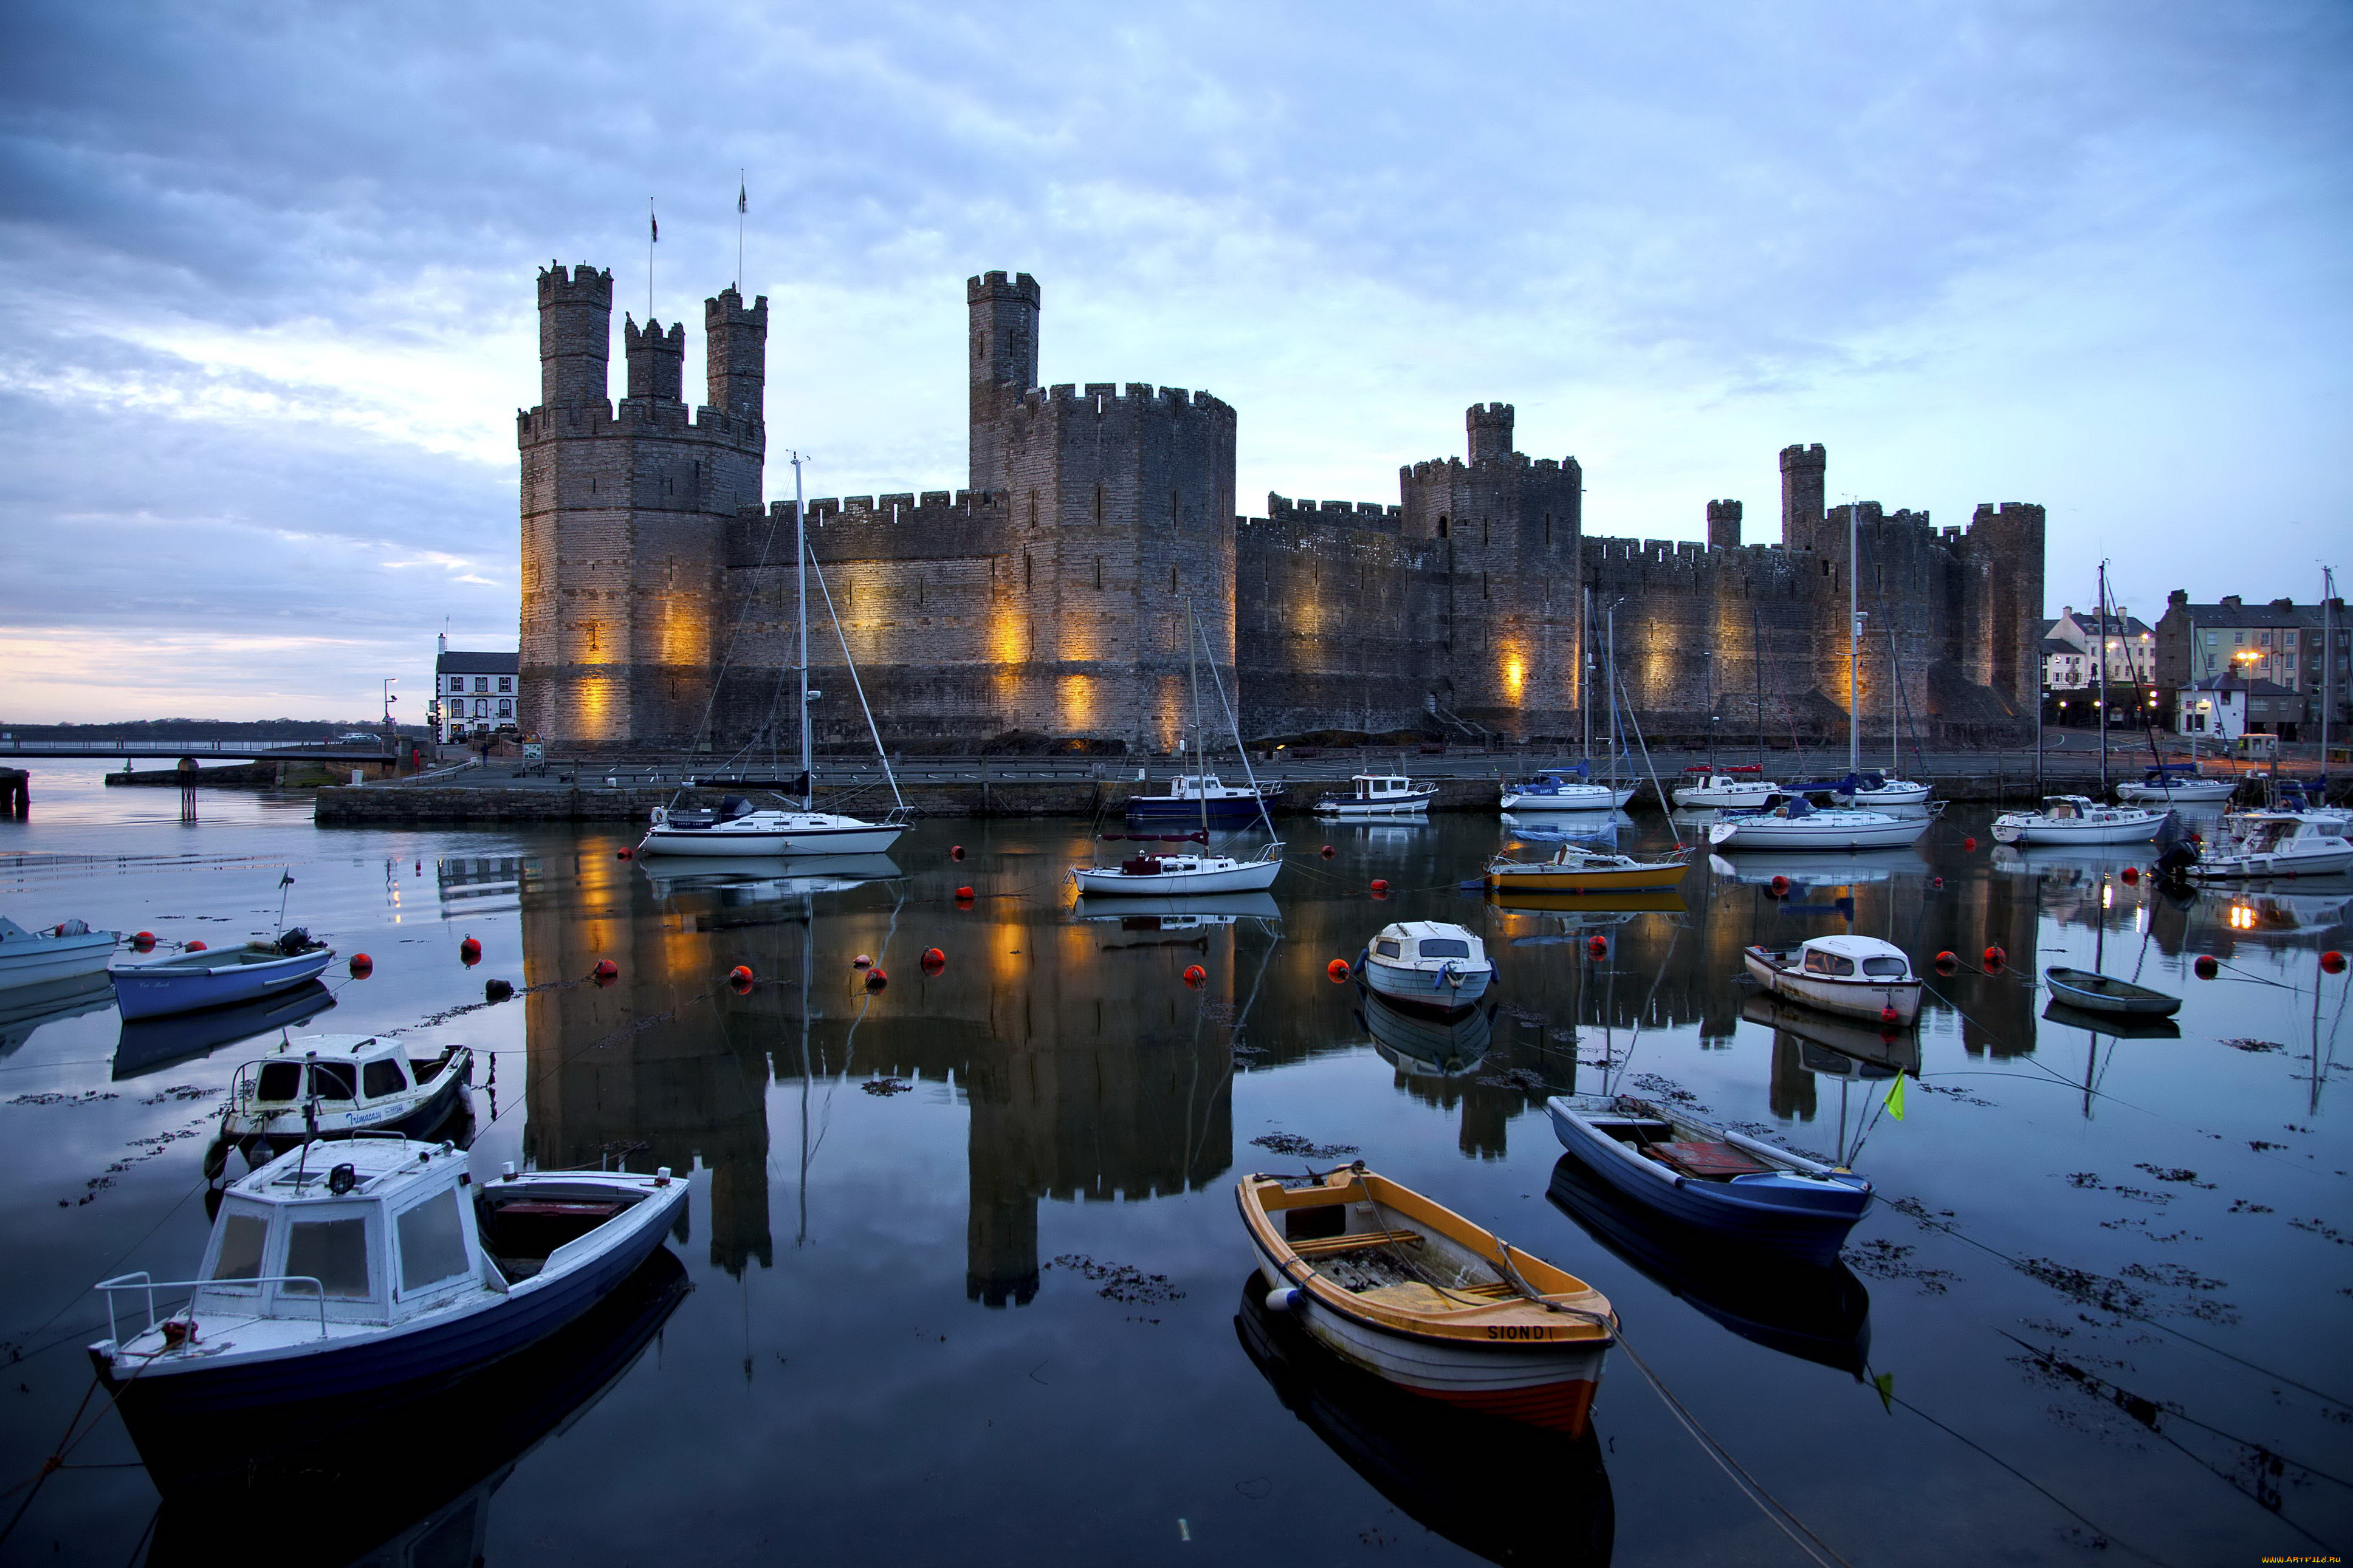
x,y
332,1081
242,1235
1885,966
1820,962
1387,949
1445,947
333,1252
432,1242
280,1080
381,1078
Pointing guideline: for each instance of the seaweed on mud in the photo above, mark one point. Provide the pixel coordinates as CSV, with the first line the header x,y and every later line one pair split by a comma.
x,y
1665,1088
2241,1205
1521,1078
182,1091
2126,1299
1963,1095
2253,1045
883,1088
2318,1229
1290,1145
87,1097
1120,1282
2174,1173
1883,1259
2090,1180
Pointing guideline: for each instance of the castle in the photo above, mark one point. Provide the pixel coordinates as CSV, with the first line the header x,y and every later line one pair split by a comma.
x,y
1054,597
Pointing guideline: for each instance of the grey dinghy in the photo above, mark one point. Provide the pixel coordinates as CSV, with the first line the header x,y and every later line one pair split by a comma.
x,y
344,1270
2092,993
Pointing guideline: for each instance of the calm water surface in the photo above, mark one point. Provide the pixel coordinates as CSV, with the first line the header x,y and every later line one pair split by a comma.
x,y
967,1281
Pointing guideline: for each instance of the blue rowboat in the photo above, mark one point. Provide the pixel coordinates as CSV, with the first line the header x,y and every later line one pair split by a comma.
x,y
1715,1179
348,1270
215,977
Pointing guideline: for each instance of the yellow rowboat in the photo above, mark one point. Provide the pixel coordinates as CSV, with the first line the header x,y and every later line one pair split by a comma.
x,y
1420,1297
1580,870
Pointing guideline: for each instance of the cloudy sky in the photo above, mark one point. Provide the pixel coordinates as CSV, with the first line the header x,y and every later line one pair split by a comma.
x,y
265,298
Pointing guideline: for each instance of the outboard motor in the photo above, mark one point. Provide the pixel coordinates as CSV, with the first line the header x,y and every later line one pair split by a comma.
x,y
295,939
2176,849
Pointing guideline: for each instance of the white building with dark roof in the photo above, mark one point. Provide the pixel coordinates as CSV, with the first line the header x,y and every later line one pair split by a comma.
x,y
473,693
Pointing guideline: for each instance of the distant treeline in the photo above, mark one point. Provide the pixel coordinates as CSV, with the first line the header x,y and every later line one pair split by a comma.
x,y
204,730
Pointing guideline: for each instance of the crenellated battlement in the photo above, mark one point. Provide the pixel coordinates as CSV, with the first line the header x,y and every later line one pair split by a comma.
x,y
656,360
1107,398
1489,426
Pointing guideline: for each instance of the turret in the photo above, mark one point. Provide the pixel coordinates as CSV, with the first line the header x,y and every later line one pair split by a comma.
x,y
1004,330
656,360
1489,425
735,347
1724,525
576,335
1803,472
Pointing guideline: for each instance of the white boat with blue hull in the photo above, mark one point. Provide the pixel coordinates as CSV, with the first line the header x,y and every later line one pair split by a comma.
x,y
218,977
1566,789
1426,963
1746,1191
348,1270
328,1086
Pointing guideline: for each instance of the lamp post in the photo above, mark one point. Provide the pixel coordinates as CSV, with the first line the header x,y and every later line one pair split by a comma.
x,y
389,682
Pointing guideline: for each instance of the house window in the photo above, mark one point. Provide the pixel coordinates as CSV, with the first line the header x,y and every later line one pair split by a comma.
x,y
506,707
481,708
506,683
481,683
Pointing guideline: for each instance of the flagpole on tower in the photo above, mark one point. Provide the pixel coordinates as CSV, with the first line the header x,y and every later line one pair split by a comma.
x,y
653,237
741,202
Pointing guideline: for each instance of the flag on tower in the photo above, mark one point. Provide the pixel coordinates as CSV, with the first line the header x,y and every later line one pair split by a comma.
x,y
653,226
743,199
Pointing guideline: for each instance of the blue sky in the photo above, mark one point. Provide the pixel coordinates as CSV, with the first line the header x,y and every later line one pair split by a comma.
x,y
266,301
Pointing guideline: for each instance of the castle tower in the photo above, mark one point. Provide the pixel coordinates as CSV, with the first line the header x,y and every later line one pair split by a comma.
x,y
1490,425
1803,469
2002,601
624,515
1004,329
1724,525
656,360
735,347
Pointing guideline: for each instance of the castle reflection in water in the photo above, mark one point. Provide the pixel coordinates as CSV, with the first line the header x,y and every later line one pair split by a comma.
x,y
1087,1073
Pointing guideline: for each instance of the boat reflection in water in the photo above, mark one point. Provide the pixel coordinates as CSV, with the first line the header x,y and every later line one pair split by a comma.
x,y
25,1008
2289,918
1821,867
1500,1490
149,1045
1196,911
1816,1313
763,878
1421,1044
408,1483
1834,1047
2112,1025
1665,901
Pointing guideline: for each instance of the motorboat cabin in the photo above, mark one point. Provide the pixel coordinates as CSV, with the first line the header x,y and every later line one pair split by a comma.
x,y
1428,963
1861,976
323,1085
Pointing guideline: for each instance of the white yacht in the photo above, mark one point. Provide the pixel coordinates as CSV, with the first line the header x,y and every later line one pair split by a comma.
x,y
2175,784
738,829
1799,824
1178,875
2077,819
2262,844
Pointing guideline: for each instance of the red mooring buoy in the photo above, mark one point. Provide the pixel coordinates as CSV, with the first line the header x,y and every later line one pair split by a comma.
x,y
194,947
2332,962
2206,968
1195,974
876,979
1599,946
1994,959
2132,875
606,971
362,965
469,953
933,961
143,940
861,961
620,854
740,975
1780,885
1327,852
964,895
1948,962
955,851
1338,970
1380,884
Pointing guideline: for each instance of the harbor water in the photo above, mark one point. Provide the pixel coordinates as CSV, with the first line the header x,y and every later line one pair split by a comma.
x,y
961,1278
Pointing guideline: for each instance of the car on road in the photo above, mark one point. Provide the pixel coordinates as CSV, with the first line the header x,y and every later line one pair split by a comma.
x,y
358,737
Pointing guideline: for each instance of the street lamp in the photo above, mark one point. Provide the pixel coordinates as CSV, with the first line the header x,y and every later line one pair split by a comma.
x,y
389,682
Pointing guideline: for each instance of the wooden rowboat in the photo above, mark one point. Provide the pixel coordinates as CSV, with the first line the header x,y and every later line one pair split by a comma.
x,y
1422,1298
2090,991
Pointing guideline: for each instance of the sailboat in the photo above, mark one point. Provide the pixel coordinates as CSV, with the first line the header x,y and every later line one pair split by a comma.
x,y
1573,789
738,829
1185,872
2075,819
1875,788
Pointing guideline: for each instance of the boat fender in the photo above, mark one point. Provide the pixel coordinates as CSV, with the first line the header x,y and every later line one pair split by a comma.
x,y
342,1179
2332,962
1599,946
2206,968
1338,970
507,1172
1889,1015
661,1175
1283,1298
469,953
2132,875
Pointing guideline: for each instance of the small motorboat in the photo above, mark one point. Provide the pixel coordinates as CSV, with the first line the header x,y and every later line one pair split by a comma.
x,y
736,828
1203,797
2087,991
2259,845
1379,794
1180,876
1793,822
328,1086
2077,819
218,977
1724,789
1420,1046
60,952
1422,1298
149,1045
1566,789
1502,1493
1816,1312
1575,869
1877,789
2176,783
1429,964
1859,976
352,1268
1715,1178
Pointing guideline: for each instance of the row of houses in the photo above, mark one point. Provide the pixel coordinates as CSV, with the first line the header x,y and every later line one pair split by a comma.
x,y
2220,670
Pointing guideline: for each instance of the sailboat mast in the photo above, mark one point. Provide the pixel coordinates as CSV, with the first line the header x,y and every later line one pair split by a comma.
x,y
1584,677
2101,612
1193,678
2327,686
1854,638
1610,657
800,618
1894,690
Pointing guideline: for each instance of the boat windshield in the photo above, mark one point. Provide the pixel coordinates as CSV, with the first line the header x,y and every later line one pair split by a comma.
x,y
1445,947
1819,963
2271,834
1888,968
